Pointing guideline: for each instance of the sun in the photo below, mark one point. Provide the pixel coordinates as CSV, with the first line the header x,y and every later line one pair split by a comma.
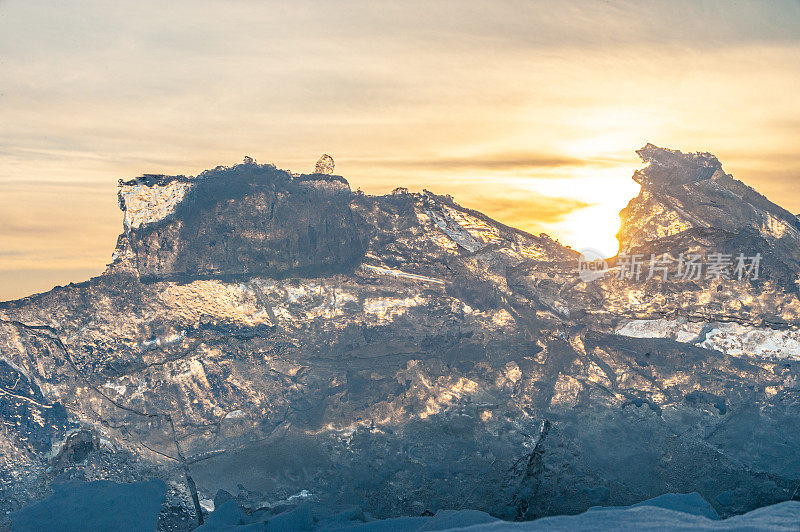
x,y
605,190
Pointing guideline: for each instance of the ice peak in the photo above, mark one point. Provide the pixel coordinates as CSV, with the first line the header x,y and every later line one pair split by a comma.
x,y
674,167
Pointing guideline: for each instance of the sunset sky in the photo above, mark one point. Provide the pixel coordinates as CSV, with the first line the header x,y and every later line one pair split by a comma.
x,y
529,111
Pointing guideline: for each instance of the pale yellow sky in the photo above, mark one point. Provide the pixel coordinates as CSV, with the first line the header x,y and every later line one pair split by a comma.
x,y
529,111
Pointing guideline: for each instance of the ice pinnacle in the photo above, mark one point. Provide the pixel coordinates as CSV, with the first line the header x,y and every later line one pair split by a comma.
x,y
324,165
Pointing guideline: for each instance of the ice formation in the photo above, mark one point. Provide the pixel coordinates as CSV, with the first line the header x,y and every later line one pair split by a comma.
x,y
408,357
324,165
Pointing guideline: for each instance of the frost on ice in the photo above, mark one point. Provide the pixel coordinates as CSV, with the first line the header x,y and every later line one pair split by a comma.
x,y
148,199
729,338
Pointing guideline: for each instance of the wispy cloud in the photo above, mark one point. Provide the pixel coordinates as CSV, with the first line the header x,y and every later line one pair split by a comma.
x,y
492,162
527,210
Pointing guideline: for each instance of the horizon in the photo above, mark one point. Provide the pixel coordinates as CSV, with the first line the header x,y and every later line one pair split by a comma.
x,y
529,112
604,251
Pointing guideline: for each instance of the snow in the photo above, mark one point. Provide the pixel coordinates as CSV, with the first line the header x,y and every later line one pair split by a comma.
x,y
783,516
158,342
398,273
443,520
671,511
479,229
730,338
207,505
735,339
776,228
385,309
119,388
100,505
690,503
452,229
105,505
679,330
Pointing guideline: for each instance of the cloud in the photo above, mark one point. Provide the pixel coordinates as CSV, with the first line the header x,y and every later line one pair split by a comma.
x,y
492,162
28,227
22,282
525,210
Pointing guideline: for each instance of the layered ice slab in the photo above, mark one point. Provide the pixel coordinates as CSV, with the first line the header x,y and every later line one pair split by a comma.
x,y
249,219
